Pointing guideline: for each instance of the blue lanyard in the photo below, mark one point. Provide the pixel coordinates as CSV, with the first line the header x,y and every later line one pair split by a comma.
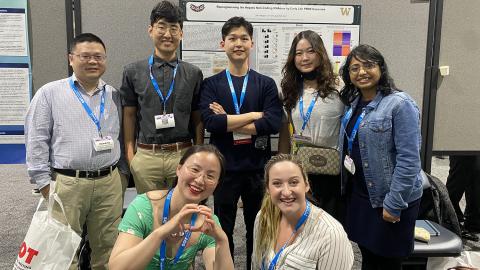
x,y
188,234
157,88
87,108
232,90
300,222
306,117
345,121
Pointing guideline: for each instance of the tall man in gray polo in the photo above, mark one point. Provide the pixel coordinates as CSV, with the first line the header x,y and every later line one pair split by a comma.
x,y
72,131
160,97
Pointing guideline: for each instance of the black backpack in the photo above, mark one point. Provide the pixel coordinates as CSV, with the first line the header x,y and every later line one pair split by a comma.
x,y
436,205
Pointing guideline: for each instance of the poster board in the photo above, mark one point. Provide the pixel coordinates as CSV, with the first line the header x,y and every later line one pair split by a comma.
x,y
274,27
15,79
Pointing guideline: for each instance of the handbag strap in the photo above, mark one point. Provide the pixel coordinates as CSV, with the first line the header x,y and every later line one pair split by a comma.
x,y
56,198
39,203
291,131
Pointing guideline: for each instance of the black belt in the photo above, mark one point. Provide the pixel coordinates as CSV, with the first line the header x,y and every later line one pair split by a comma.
x,y
86,174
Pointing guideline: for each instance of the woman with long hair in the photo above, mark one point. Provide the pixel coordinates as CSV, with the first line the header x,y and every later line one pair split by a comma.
x,y
290,231
380,147
313,109
165,229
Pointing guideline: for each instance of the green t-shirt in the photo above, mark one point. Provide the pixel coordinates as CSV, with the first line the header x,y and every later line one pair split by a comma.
x,y
138,221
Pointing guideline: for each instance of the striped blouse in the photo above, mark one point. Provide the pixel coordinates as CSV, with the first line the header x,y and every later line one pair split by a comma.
x,y
322,244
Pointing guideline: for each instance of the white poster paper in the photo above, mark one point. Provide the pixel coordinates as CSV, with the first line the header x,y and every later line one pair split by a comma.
x,y
13,36
14,85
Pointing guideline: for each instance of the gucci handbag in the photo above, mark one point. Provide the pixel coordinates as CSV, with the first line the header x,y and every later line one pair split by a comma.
x,y
318,160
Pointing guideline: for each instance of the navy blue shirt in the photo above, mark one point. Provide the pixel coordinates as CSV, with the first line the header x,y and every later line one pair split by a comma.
x,y
356,182
261,96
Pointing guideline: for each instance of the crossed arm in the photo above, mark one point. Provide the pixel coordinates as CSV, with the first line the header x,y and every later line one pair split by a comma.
x,y
242,123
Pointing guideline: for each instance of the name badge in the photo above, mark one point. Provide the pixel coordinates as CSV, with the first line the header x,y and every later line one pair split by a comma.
x,y
239,138
349,164
164,121
302,139
102,144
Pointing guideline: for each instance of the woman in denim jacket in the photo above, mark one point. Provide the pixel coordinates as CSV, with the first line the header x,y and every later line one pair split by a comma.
x,y
380,148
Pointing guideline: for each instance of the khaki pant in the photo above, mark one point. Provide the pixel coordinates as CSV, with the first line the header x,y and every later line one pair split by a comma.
x,y
124,180
96,203
154,170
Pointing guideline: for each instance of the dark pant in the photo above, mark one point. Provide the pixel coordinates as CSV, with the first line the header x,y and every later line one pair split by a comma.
x,y
464,177
249,186
371,261
326,191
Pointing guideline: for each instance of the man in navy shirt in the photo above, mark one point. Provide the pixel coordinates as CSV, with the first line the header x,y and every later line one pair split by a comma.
x,y
240,108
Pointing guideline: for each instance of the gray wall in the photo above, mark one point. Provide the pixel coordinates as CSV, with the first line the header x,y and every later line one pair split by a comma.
x,y
456,115
48,41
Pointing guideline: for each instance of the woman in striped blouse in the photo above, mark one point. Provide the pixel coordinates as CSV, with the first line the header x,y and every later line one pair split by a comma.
x,y
292,233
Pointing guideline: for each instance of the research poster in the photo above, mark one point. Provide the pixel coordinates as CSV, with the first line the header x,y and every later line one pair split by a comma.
x,y
15,80
275,26
13,37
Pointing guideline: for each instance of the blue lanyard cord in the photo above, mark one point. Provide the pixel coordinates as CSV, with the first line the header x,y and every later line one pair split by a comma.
x,y
232,90
300,222
306,117
345,121
87,108
157,88
188,234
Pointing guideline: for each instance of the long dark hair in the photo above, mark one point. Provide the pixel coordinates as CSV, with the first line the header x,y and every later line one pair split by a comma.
x,y
292,78
365,53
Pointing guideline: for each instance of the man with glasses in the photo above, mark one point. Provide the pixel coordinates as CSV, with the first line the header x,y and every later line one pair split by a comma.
x,y
72,133
160,96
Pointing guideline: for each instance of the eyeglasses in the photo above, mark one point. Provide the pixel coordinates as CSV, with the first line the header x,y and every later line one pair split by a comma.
x,y
355,69
209,178
88,57
163,28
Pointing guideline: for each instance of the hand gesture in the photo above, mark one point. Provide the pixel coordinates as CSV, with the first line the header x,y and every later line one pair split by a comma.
x,y
217,108
390,218
175,224
208,226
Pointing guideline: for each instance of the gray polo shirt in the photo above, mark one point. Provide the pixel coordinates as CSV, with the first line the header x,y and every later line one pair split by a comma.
x,y
137,90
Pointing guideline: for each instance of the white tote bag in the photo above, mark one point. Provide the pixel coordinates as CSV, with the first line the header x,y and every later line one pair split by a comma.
x,y
49,244
466,260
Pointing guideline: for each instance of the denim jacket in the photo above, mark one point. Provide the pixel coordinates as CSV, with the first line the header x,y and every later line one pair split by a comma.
x,y
389,141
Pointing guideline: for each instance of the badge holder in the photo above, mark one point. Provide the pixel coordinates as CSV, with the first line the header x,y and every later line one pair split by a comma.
x,y
239,138
166,120
349,164
103,143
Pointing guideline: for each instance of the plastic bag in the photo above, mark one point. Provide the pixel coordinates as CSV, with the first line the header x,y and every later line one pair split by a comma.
x,y
467,260
49,244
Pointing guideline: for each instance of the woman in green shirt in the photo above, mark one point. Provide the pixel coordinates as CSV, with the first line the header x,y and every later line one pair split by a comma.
x,y
165,229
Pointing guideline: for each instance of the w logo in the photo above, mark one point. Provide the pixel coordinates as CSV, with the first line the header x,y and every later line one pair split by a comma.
x,y
345,11
197,8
